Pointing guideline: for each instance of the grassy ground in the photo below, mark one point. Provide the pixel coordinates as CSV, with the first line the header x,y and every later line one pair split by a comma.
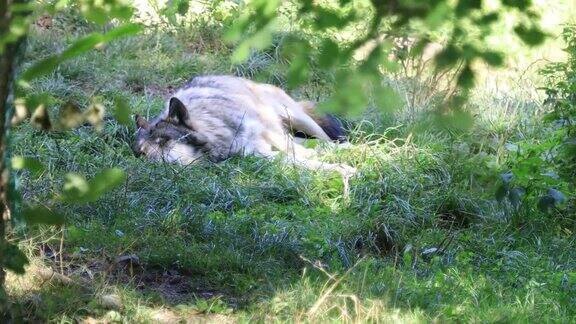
x,y
420,238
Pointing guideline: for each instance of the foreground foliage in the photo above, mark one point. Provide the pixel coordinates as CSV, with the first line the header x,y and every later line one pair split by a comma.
x,y
421,236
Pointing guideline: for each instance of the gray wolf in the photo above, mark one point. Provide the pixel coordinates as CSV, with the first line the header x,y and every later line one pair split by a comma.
x,y
216,117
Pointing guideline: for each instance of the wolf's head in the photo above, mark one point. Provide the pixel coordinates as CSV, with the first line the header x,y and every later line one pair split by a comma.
x,y
169,139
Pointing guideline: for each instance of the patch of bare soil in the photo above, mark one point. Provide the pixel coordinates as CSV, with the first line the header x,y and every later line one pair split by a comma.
x,y
152,90
44,22
174,286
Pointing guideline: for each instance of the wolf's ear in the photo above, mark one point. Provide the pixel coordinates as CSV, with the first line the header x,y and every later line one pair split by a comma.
x,y
141,122
177,111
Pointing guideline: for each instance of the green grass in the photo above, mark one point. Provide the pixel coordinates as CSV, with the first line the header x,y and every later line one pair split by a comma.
x,y
248,240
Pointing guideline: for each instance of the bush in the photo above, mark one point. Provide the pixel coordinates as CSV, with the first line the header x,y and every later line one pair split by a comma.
x,y
561,98
541,172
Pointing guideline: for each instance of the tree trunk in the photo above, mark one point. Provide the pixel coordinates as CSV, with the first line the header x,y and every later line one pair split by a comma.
x,y
7,61
5,73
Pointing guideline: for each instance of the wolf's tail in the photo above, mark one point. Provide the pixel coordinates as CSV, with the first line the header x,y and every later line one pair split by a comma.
x,y
331,125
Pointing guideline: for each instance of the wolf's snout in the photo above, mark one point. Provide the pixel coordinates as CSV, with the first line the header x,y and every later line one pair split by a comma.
x,y
137,152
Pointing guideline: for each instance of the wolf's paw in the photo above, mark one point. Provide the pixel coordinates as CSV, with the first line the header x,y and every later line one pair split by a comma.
x,y
307,153
346,170
343,145
331,146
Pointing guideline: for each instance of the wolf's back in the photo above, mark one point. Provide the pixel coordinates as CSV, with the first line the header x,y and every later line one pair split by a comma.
x,y
255,94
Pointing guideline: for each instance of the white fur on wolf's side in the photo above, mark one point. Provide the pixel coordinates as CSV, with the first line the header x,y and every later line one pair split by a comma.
x,y
235,116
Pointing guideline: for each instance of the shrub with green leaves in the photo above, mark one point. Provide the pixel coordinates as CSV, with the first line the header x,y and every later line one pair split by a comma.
x,y
357,39
561,98
540,173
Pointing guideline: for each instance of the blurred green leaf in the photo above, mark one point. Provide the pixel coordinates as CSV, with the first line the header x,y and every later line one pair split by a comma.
x,y
488,18
22,7
387,99
75,187
95,14
439,15
297,52
30,164
42,215
125,30
298,72
241,53
493,58
78,190
33,101
328,53
13,258
182,7
466,77
102,12
350,102
259,40
122,12
253,30
105,181
266,8
262,39
41,68
81,46
448,57
520,4
370,66
237,30
465,6
455,119
122,110
18,28
325,18
531,36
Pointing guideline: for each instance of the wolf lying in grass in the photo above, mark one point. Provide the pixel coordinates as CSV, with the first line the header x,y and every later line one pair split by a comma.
x,y
216,117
